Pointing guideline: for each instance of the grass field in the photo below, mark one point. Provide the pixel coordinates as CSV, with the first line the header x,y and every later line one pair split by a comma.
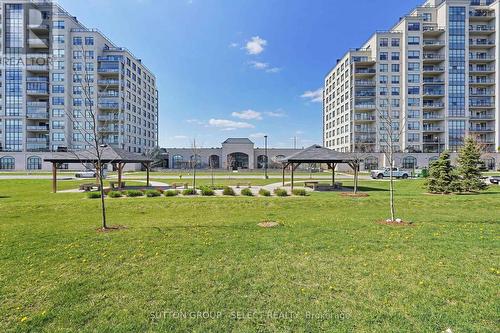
x,y
329,268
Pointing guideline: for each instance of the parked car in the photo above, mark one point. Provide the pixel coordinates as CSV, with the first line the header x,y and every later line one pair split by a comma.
x,y
495,180
89,174
396,173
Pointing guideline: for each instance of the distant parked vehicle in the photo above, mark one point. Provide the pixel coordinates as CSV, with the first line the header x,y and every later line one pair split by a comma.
x,y
495,180
89,174
385,173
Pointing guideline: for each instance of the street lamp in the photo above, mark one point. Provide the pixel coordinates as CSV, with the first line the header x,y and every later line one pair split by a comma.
x,y
267,158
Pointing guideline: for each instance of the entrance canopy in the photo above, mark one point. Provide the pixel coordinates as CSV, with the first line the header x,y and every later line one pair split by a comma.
x,y
319,155
115,156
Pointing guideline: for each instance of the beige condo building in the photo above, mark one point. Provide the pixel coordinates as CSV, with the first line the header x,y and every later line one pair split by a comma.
x,y
434,74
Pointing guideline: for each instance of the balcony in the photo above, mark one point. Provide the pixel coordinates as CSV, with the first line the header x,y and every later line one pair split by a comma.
x,y
108,129
433,69
109,94
365,83
433,92
109,106
37,68
433,129
365,71
433,81
481,69
433,57
108,71
363,60
37,140
38,43
481,43
37,147
433,117
109,82
481,29
432,30
433,105
110,58
37,115
365,94
433,44
434,141
39,27
41,105
481,104
365,129
481,129
481,57
39,128
368,139
42,79
481,81
110,118
482,116
481,92
360,117
481,15
365,106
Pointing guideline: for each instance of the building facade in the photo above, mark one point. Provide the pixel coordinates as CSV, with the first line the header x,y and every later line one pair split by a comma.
x,y
433,76
235,154
54,72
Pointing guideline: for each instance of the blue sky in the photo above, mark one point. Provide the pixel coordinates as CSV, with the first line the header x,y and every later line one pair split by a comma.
x,y
239,68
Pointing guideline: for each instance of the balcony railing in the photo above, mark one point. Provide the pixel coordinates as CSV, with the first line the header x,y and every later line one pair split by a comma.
x,y
433,56
433,81
481,92
481,129
481,57
364,83
434,43
37,91
433,28
432,116
37,140
110,58
37,79
482,104
362,117
109,106
481,69
481,81
433,69
365,139
365,94
108,82
482,116
37,115
433,105
37,128
108,70
481,42
433,92
481,13
37,104
481,28
365,71
365,106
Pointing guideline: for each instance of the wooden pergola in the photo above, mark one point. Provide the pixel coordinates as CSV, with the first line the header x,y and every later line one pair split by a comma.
x,y
114,156
319,155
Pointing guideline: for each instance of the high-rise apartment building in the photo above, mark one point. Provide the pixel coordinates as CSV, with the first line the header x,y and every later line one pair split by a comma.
x,y
53,71
434,75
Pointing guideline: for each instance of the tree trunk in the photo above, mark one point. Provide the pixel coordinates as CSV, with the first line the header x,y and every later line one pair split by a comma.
x,y
103,204
356,179
391,188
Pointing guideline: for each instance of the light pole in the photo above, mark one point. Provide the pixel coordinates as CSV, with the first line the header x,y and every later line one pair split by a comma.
x,y
267,158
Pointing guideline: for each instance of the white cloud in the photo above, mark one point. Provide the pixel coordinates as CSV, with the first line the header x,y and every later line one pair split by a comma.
x,y
273,70
276,114
257,135
233,45
259,65
248,115
180,137
255,45
314,96
194,121
229,125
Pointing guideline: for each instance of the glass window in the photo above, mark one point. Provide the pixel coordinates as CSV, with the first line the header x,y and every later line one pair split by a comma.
x,y
413,54
395,56
384,42
77,41
395,68
413,40
384,55
395,42
7,163
89,40
413,26
34,163
58,24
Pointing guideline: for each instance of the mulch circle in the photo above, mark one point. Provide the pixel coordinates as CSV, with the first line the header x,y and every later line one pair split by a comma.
x,y
269,224
112,229
352,195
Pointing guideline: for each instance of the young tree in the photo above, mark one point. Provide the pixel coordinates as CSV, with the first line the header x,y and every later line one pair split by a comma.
x,y
392,130
86,124
194,161
442,177
469,167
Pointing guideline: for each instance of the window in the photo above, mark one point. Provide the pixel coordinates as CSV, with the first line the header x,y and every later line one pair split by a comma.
x,y
413,40
395,68
413,101
7,163
384,42
395,79
427,17
57,89
58,39
413,114
414,67
89,54
395,91
57,100
77,41
89,40
395,56
413,26
57,112
371,163
177,161
413,54
34,163
413,137
384,68
384,55
77,66
395,42
383,79
58,137
57,77
413,125
413,90
77,54
58,24
58,53
409,162
413,78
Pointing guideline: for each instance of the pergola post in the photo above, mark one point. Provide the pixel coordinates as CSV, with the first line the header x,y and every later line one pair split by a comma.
x,y
333,166
147,173
54,177
285,165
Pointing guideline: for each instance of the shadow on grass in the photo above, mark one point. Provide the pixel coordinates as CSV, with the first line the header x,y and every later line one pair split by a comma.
x,y
4,197
366,189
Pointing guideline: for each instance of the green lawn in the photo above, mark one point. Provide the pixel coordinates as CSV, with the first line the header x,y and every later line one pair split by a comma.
x,y
329,268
